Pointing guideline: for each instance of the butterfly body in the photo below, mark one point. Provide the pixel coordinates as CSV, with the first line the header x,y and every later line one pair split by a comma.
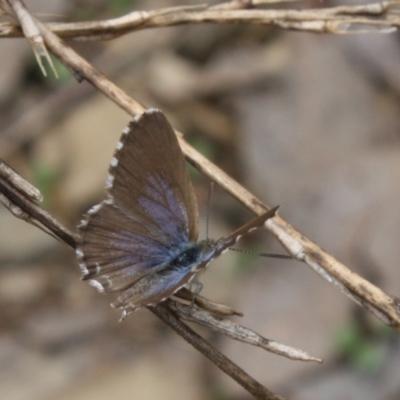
x,y
141,241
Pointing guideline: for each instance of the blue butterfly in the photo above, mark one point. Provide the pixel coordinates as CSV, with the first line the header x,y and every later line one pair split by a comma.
x,y
141,241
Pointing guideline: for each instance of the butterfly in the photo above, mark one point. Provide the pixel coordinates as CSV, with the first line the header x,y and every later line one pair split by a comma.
x,y
141,241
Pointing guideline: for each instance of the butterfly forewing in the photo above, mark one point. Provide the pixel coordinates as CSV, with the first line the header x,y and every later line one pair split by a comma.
x,y
148,175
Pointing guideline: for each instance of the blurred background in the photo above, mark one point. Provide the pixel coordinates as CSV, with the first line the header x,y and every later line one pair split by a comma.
x,y
310,122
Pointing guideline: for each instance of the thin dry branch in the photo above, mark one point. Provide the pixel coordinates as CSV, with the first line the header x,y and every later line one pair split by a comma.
x,y
245,4
31,32
238,332
206,304
20,197
251,385
375,17
11,176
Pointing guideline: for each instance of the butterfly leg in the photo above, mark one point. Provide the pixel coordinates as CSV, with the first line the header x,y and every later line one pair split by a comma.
x,y
197,288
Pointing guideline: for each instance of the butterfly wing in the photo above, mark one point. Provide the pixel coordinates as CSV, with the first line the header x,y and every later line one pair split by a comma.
x,y
156,287
150,214
148,175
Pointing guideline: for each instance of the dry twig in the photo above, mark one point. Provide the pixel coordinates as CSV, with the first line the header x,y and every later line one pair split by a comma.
x,y
31,32
237,332
20,197
251,385
374,17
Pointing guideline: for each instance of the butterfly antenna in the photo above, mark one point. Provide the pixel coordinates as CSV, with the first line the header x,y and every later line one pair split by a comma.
x,y
210,193
270,255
